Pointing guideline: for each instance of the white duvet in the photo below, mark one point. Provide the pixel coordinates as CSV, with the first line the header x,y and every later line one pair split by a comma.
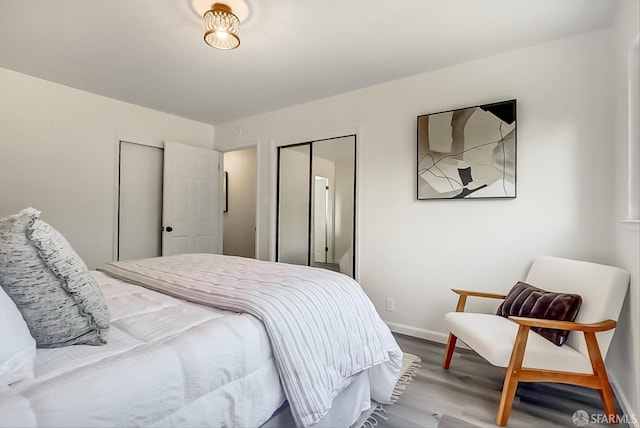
x,y
167,363
322,327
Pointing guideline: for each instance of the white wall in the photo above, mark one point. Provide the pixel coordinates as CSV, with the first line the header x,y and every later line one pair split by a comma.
x,y
240,220
415,251
624,361
58,153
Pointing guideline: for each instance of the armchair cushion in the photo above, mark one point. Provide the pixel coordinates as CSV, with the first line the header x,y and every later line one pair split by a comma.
x,y
493,337
525,300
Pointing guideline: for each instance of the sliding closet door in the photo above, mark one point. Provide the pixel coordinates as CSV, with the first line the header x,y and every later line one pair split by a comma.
x,y
316,204
334,160
294,166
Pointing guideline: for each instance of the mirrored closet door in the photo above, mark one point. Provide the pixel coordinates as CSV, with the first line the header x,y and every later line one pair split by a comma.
x,y
316,204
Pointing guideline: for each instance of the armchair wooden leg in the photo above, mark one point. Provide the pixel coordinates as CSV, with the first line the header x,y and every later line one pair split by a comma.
x,y
506,401
451,342
512,377
599,370
448,352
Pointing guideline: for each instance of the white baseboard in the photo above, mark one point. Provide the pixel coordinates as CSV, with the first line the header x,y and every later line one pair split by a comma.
x,y
439,337
434,336
627,408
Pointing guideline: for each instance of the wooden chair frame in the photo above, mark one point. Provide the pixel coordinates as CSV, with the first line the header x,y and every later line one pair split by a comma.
x,y
515,373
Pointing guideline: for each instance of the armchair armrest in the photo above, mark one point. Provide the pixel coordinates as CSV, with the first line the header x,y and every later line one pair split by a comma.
x,y
478,294
565,325
462,300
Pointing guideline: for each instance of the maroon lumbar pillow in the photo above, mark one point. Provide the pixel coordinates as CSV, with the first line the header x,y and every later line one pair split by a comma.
x,y
525,300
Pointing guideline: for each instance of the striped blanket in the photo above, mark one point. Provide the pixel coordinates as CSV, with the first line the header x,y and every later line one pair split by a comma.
x,y
322,326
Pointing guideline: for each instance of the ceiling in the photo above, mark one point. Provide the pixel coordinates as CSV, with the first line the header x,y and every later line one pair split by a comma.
x,y
152,53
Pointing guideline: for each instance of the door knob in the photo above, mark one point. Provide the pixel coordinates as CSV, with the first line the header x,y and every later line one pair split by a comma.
x,y
168,228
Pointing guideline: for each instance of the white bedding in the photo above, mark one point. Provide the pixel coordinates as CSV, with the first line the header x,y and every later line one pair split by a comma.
x,y
322,327
167,363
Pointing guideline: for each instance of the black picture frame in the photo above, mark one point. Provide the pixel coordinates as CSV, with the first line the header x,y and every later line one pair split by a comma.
x,y
467,153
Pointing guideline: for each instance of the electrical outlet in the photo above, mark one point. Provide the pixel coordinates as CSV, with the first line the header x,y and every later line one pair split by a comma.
x,y
391,305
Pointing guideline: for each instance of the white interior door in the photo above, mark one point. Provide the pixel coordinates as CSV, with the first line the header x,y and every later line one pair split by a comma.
x,y
191,200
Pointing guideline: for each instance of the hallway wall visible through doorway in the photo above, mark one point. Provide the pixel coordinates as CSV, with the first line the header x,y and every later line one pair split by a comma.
x,y
239,236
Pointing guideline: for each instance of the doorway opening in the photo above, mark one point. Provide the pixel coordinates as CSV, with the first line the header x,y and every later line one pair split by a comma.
x,y
240,195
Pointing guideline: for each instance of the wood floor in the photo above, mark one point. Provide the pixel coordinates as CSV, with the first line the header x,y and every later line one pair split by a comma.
x,y
468,394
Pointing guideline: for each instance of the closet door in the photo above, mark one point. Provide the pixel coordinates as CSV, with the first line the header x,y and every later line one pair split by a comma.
x,y
316,204
294,168
140,201
334,159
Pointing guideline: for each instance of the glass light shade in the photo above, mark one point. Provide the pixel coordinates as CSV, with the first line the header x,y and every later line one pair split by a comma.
x,y
221,27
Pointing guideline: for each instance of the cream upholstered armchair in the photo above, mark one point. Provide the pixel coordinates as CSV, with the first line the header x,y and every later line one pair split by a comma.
x,y
530,357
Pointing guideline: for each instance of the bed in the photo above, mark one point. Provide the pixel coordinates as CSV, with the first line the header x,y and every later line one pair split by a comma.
x,y
209,340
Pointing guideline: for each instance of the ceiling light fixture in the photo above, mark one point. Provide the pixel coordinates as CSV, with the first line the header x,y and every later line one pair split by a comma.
x,y
221,27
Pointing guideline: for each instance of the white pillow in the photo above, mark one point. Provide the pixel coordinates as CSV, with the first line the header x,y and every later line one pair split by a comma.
x,y
18,349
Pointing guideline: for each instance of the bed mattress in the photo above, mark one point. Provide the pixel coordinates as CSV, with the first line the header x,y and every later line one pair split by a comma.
x,y
167,363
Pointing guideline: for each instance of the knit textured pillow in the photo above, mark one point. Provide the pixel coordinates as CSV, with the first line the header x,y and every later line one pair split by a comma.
x,y
525,300
59,299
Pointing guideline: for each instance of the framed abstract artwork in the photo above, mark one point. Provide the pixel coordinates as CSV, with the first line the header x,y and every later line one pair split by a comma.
x,y
468,153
